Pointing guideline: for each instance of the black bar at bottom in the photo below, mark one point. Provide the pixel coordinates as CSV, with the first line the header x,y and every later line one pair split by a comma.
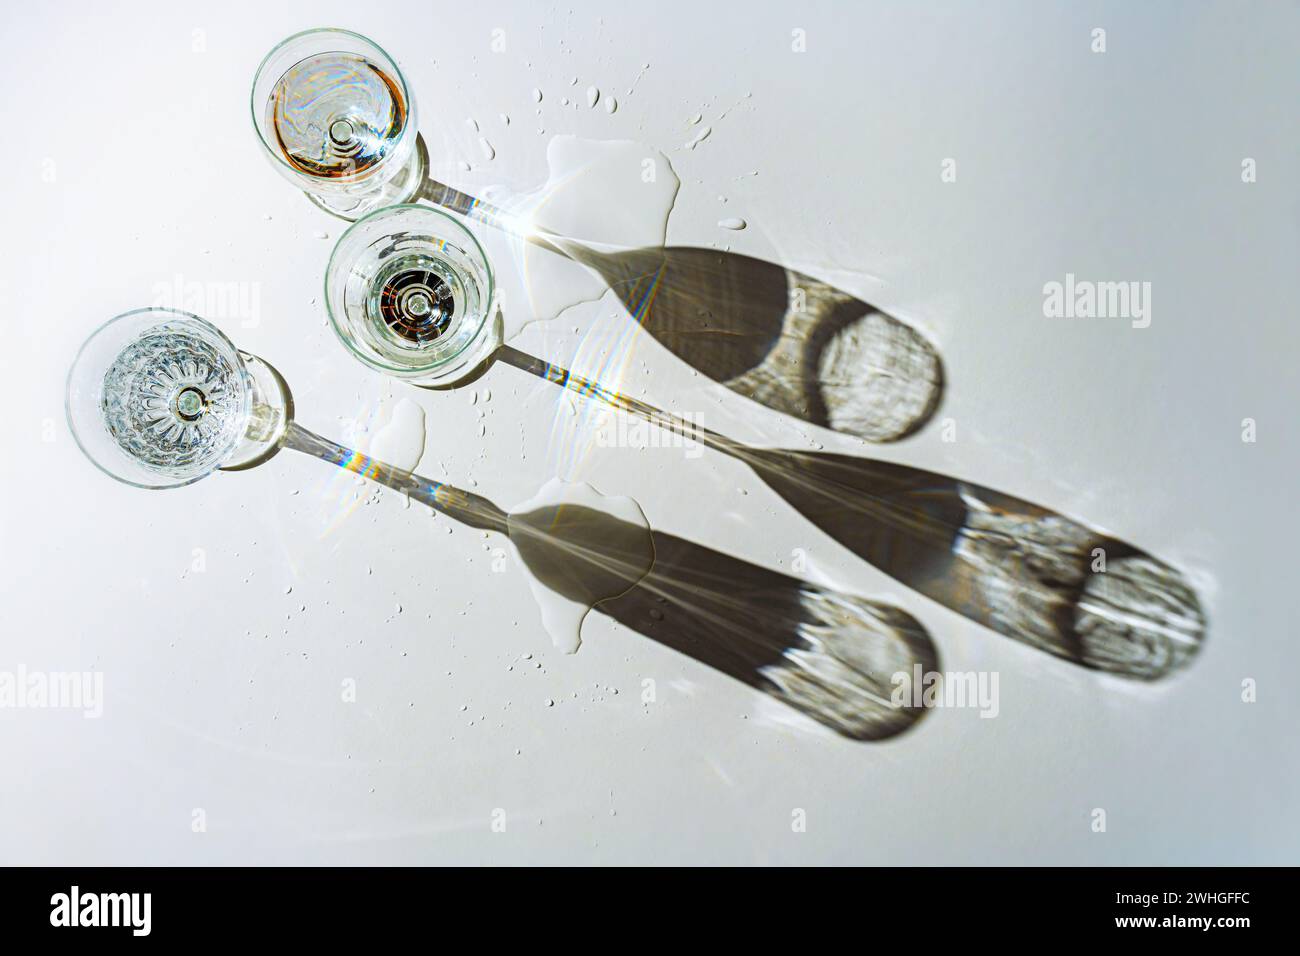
x,y
335,905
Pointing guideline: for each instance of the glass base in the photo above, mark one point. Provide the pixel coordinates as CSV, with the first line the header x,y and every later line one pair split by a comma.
x,y
402,188
269,419
470,364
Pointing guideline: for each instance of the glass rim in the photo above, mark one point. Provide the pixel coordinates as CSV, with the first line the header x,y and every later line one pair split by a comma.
x,y
244,376
405,371
252,93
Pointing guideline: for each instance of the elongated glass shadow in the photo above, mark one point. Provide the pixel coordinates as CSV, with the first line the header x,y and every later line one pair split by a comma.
x,y
1022,570
789,341
831,655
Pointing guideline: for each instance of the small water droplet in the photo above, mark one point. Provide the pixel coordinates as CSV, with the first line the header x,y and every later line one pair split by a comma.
x,y
700,137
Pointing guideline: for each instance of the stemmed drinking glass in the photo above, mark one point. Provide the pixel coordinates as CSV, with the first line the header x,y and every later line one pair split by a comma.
x,y
411,293
160,398
336,117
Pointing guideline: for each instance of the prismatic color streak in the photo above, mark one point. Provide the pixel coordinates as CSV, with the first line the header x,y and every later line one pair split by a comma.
x,y
589,389
473,510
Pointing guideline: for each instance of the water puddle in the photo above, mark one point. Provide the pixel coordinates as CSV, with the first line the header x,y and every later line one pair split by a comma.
x,y
600,194
400,442
581,548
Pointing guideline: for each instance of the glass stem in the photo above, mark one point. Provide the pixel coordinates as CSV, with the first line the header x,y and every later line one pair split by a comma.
x,y
470,509
448,197
589,389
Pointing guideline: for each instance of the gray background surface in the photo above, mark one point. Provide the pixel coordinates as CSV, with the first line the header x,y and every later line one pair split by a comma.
x,y
131,161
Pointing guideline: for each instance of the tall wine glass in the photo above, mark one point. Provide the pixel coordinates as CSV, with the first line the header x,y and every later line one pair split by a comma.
x,y
159,398
410,292
336,117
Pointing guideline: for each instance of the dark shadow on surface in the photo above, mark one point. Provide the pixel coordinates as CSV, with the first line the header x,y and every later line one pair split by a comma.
x,y
1025,571
789,341
831,655
805,348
